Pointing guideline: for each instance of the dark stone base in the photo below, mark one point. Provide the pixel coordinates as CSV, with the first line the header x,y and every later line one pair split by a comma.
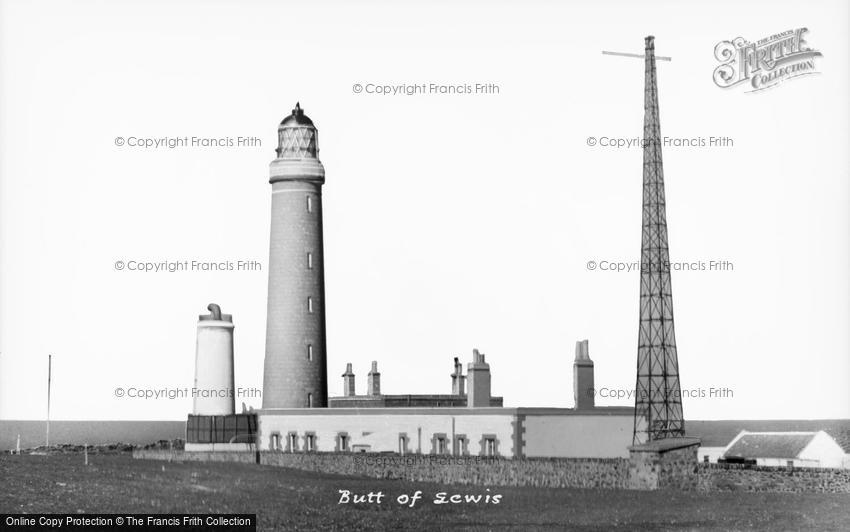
x,y
664,464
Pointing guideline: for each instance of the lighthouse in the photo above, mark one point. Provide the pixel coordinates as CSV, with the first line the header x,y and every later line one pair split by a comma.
x,y
295,372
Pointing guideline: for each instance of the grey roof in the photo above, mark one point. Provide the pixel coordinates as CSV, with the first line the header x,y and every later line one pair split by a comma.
x,y
769,445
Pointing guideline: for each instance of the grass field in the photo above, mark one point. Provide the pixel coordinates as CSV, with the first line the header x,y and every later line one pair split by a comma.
x,y
289,499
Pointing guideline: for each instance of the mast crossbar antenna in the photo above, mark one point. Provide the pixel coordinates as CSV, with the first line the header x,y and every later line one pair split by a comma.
x,y
640,56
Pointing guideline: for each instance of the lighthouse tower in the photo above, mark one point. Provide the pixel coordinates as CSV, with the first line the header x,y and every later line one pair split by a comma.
x,y
295,373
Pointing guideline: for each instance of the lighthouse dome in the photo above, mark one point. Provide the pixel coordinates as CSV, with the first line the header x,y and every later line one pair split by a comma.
x,y
297,118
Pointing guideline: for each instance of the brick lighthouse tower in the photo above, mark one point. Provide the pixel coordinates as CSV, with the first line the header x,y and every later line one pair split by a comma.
x,y
295,373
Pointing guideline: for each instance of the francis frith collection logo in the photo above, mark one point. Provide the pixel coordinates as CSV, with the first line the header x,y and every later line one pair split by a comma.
x,y
765,63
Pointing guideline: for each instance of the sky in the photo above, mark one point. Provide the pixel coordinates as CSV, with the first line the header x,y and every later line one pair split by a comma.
x,y
452,221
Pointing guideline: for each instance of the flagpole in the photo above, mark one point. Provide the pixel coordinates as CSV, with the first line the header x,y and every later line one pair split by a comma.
x,y
49,369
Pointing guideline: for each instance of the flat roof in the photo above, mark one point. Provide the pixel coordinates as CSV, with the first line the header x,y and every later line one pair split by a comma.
x,y
665,444
402,395
451,410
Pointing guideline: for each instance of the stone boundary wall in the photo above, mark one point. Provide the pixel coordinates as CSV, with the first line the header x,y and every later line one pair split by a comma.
x,y
537,472
738,477
194,456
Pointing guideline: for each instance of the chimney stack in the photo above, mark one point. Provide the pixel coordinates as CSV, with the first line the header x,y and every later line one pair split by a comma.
x,y
373,382
348,382
478,378
583,377
458,379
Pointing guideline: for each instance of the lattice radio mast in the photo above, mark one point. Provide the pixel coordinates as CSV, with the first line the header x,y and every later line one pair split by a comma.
x,y
658,396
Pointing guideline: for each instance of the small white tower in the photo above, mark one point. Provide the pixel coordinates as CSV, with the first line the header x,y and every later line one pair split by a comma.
x,y
214,382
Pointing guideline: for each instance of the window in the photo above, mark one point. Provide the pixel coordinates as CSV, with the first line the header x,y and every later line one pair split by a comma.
x,y
310,305
461,445
342,442
441,445
275,443
402,443
310,442
490,447
309,204
705,458
310,352
309,261
309,400
790,463
292,443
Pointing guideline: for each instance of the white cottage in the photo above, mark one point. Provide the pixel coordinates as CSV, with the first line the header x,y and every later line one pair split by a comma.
x,y
795,449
